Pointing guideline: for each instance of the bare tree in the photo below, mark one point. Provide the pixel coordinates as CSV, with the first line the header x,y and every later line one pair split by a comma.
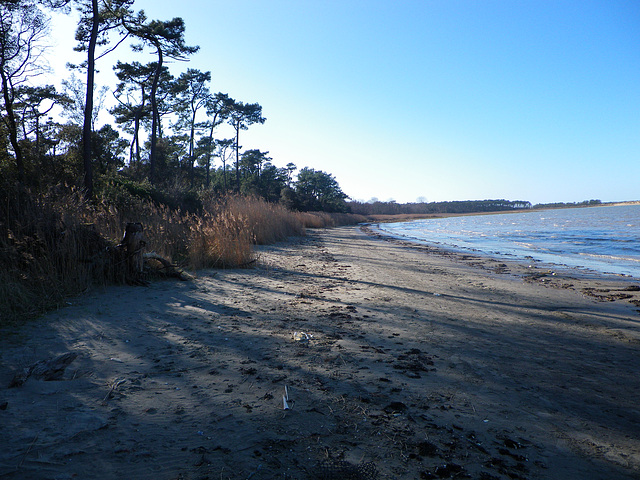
x,y
75,90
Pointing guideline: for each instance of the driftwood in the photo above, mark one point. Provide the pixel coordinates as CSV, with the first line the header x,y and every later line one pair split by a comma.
x,y
132,246
52,369
114,386
128,263
168,268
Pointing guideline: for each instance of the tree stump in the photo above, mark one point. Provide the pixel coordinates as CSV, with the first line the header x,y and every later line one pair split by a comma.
x,y
133,244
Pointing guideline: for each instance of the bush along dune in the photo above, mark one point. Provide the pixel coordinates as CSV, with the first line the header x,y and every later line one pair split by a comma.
x,y
56,244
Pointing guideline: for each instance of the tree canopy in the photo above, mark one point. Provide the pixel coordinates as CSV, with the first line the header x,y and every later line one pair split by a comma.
x,y
317,190
165,128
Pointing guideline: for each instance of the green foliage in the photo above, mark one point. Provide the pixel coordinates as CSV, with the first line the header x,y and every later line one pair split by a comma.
x,y
133,109
126,194
176,168
585,203
468,206
319,191
108,149
67,190
241,115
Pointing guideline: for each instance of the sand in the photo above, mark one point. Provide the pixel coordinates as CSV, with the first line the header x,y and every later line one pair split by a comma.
x,y
398,361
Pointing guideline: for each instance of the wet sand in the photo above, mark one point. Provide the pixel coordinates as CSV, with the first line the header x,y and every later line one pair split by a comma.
x,y
398,361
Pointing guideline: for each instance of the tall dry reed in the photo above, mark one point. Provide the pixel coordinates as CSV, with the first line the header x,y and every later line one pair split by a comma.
x,y
269,223
221,240
48,251
225,234
53,245
328,220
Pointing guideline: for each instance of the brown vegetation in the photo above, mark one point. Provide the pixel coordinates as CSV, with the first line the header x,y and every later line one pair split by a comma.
x,y
328,220
55,245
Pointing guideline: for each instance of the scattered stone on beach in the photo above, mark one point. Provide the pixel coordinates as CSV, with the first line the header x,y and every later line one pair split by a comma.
x,y
414,361
48,370
447,470
605,295
427,449
395,407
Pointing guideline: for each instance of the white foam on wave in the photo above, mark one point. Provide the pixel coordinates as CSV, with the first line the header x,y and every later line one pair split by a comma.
x,y
610,257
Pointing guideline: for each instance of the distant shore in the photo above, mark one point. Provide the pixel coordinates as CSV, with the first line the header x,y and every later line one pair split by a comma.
x,y
616,204
383,218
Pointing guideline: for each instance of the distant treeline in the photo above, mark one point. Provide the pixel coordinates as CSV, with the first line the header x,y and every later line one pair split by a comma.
x,y
586,203
467,206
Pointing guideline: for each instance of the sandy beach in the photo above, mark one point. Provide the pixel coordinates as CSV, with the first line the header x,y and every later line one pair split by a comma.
x,y
395,361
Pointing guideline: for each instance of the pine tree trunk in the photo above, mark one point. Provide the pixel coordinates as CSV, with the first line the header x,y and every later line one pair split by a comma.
x,y
88,108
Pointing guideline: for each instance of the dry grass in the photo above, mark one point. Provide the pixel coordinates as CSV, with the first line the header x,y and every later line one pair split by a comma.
x,y
53,246
220,240
48,251
225,234
268,222
328,220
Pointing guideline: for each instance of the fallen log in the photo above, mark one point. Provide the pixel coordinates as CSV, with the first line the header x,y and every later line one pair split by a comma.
x,y
168,268
128,263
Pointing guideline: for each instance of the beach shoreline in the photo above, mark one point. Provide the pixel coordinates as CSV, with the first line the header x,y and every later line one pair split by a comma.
x,y
570,238
393,357
586,280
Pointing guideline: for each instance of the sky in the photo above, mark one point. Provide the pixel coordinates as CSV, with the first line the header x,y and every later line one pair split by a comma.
x,y
425,100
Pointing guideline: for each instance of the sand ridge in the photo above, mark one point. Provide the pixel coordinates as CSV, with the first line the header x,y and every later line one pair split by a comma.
x,y
396,361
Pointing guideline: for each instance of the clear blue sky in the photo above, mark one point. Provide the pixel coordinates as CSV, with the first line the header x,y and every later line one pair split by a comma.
x,y
443,99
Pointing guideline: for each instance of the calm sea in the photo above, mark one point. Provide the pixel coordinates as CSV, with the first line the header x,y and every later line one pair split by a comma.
x,y
605,239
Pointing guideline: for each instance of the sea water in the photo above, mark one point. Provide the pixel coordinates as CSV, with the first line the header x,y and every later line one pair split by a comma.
x,y
605,239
